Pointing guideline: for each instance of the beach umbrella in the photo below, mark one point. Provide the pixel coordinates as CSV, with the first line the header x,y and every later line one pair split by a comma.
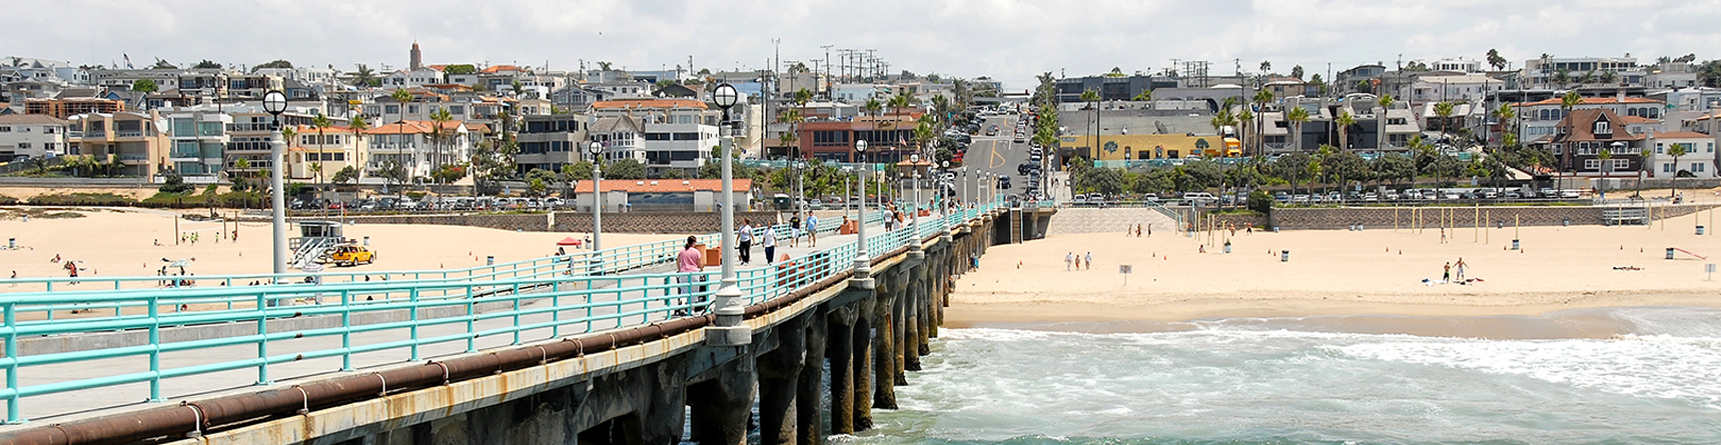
x,y
569,241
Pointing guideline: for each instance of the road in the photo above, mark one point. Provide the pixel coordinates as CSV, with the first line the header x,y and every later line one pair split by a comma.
x,y
993,154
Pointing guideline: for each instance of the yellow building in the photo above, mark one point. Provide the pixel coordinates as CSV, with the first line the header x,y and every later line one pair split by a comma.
x,y
1150,146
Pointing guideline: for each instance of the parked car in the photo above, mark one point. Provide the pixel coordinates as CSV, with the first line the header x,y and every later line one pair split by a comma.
x,y
1202,198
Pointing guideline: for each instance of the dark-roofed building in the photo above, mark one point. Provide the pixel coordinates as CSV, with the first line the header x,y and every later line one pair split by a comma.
x,y
1580,138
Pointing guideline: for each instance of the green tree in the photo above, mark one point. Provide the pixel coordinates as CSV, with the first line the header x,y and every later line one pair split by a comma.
x,y
1443,110
144,86
206,64
1297,116
345,175
440,135
278,63
1344,122
358,124
363,75
1261,99
625,169
321,123
1495,60
1508,123
1675,150
1385,103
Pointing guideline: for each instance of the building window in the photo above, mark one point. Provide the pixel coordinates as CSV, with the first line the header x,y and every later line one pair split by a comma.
x,y
1621,164
1667,168
1592,164
1658,147
1697,167
1603,128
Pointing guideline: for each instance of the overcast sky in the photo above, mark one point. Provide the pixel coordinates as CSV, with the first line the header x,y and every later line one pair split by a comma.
x,y
1011,40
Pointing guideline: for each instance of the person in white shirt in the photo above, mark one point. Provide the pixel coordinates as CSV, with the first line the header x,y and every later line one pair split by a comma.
x,y
770,243
745,239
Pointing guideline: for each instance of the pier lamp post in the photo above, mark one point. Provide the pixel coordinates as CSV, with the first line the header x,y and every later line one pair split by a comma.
x,y
862,263
943,198
729,331
275,102
596,150
914,163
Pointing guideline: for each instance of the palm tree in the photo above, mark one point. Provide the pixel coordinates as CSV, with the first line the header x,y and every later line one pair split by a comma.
x,y
359,125
440,135
1344,122
1570,100
1443,110
287,134
1506,114
1385,103
1297,116
1092,96
898,102
1676,151
321,123
402,96
1261,99
1245,117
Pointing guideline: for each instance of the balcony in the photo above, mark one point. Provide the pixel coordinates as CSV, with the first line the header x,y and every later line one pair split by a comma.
x,y
129,133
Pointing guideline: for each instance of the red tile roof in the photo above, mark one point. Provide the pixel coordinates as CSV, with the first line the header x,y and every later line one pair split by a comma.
x,y
1592,101
1629,120
411,127
1681,135
493,69
663,185
650,103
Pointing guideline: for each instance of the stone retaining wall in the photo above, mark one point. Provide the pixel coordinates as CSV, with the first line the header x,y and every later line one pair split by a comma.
x,y
1387,217
630,222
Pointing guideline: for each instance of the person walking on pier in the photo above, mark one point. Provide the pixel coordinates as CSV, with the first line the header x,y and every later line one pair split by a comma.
x,y
770,243
813,230
795,230
688,263
745,239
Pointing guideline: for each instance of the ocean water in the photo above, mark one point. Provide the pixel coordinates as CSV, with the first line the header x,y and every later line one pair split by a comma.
x,y
1657,380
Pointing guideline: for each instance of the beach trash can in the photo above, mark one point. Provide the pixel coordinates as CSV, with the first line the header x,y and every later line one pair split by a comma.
x,y
1227,247
489,260
1699,230
1566,222
1499,224
1670,253
1514,244
367,240
1284,256
12,243
1275,229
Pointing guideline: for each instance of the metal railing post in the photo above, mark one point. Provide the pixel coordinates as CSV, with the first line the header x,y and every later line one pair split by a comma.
x,y
412,314
346,330
263,338
471,334
14,413
154,349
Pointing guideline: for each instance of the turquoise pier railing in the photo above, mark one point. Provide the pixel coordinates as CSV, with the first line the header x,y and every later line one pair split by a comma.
x,y
356,324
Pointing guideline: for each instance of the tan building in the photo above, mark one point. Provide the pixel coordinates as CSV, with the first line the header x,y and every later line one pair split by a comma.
x,y
130,139
317,154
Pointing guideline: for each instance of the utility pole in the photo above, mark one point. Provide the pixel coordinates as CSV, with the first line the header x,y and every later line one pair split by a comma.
x,y
827,70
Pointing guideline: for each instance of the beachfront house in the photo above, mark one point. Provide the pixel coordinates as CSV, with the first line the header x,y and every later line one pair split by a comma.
x,y
1583,135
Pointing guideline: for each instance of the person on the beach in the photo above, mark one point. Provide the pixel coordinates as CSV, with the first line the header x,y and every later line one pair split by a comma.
x,y
1447,275
1078,263
1442,235
770,243
689,261
1069,257
1089,260
1459,266
745,239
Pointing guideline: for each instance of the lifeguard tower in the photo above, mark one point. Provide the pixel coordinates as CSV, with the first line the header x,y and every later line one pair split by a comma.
x,y
315,240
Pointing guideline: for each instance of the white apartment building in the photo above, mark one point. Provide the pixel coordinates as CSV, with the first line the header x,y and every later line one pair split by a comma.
x,y
1546,73
198,139
415,146
678,133
1698,159
1456,88
31,136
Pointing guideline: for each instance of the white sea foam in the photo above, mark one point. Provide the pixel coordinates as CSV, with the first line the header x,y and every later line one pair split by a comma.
x,y
1250,382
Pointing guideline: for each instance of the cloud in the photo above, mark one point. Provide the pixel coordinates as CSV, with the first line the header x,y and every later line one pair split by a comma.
x,y
1011,40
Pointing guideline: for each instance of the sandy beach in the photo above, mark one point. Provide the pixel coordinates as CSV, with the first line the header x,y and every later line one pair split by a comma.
x,y
113,242
1338,272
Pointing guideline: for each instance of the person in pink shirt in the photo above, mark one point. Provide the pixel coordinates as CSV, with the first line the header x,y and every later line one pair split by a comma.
x,y
689,262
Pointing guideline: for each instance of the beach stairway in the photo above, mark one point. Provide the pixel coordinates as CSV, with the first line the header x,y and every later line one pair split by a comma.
x,y
310,250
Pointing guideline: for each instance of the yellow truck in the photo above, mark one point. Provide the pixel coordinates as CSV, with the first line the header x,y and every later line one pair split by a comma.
x,y
351,255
